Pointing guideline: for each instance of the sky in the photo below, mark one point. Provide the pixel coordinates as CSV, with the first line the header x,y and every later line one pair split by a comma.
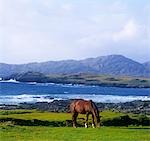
x,y
44,30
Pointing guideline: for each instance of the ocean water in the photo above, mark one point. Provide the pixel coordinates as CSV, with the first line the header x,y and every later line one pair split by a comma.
x,y
13,92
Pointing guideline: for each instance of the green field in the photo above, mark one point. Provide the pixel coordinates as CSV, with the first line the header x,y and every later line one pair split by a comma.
x,y
53,131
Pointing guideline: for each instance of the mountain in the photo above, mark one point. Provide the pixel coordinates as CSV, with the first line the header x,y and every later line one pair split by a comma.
x,y
112,65
147,65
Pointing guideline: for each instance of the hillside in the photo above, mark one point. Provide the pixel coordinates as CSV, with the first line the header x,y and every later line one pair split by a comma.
x,y
110,65
82,78
147,65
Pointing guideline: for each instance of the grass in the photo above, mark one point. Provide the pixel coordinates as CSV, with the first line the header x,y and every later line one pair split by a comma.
x,y
33,114
31,133
11,132
50,116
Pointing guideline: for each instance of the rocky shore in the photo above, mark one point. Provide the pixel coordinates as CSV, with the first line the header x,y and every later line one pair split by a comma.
x,y
137,107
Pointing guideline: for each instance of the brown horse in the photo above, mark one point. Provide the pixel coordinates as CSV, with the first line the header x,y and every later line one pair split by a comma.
x,y
81,106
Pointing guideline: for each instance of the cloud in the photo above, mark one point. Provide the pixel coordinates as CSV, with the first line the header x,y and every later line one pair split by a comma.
x,y
128,32
68,7
58,29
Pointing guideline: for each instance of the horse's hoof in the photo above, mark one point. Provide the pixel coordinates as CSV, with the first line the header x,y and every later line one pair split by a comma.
x,y
93,125
86,126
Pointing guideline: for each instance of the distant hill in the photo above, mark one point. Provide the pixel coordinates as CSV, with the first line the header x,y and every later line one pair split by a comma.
x,y
83,79
147,65
109,65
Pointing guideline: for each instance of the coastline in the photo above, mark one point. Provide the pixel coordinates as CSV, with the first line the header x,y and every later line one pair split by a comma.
x,y
136,107
81,79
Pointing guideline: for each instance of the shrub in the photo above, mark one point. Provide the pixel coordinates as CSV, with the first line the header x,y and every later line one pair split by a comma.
x,y
144,120
126,121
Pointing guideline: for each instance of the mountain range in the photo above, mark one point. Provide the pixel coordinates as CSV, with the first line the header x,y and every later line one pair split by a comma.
x,y
107,65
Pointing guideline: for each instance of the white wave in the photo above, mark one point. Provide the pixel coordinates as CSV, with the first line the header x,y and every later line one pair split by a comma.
x,y
10,80
105,98
62,85
16,99
73,85
32,83
20,99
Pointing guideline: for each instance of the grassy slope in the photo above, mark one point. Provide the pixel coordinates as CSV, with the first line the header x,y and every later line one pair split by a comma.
x,y
104,80
10,132
83,78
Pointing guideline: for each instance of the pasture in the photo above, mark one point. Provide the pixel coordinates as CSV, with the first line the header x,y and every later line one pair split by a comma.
x,y
32,125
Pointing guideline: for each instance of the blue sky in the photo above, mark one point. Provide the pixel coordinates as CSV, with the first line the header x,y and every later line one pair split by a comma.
x,y
43,30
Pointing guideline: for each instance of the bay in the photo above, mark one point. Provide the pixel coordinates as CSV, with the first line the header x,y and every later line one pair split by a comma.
x,y
17,92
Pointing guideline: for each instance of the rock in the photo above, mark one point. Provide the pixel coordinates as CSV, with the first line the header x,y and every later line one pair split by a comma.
x,y
137,107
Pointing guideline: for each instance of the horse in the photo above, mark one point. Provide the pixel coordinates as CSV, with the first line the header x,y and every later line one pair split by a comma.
x,y
80,106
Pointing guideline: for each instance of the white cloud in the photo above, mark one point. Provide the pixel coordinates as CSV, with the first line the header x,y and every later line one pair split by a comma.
x,y
44,30
68,7
128,32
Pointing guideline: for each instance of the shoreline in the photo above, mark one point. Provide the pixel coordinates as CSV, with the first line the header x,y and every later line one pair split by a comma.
x,y
98,98
78,84
136,107
81,79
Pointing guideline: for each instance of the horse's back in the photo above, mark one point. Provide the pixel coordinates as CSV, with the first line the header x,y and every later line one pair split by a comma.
x,y
80,106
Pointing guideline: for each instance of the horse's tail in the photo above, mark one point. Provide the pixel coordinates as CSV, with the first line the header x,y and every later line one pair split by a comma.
x,y
71,106
95,108
68,108
96,113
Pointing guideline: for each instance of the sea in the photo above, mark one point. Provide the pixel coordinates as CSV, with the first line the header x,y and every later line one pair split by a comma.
x,y
14,92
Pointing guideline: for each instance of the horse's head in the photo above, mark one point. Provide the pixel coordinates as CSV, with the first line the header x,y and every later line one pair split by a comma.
x,y
96,114
98,122
97,119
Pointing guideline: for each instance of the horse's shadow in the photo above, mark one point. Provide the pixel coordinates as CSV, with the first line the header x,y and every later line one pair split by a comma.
x,y
36,122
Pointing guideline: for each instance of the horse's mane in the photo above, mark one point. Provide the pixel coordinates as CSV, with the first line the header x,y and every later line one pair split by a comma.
x,y
95,109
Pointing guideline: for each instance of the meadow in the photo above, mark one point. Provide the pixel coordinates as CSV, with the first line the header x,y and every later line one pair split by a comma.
x,y
33,125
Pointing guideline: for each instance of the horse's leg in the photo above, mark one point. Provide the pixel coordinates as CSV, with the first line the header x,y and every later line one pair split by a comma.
x,y
73,120
74,117
93,122
86,122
